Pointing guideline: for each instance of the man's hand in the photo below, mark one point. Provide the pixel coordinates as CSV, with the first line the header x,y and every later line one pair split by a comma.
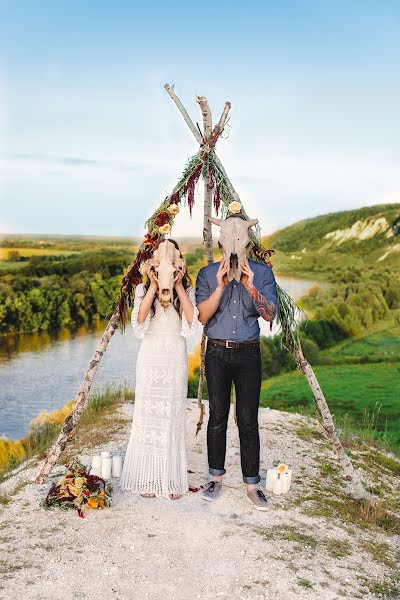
x,y
222,278
247,275
208,307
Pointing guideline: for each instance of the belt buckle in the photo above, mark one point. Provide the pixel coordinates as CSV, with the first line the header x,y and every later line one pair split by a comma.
x,y
230,341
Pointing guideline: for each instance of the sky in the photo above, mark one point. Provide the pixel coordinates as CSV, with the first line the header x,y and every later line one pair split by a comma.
x,y
90,142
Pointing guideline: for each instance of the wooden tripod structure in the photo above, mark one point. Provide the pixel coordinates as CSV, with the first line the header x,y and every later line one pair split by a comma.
x,y
218,189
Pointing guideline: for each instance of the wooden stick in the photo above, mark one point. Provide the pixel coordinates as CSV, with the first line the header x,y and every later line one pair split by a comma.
x,y
218,129
80,402
184,113
329,430
206,112
208,244
350,473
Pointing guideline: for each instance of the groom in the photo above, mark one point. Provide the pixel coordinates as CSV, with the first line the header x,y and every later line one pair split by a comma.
x,y
231,296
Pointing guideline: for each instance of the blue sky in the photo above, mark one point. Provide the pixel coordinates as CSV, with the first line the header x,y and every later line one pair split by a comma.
x,y
90,142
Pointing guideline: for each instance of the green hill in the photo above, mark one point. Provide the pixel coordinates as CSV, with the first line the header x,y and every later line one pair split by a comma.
x,y
328,245
373,230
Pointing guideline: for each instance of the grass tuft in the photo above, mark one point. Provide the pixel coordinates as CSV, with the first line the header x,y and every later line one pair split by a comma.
x,y
306,583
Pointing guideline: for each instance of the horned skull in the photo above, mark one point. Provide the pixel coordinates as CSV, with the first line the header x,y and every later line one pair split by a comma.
x,y
165,263
234,242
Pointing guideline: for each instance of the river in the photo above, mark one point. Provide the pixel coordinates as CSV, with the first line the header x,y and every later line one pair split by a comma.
x,y
44,371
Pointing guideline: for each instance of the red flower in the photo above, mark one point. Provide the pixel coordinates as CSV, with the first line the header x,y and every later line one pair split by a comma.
x,y
162,219
145,254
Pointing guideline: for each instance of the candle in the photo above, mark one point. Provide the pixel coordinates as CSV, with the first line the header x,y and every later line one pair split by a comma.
x,y
286,481
105,454
278,485
116,465
106,467
272,476
96,465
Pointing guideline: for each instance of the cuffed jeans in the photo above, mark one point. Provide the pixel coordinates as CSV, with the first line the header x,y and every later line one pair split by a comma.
x,y
242,366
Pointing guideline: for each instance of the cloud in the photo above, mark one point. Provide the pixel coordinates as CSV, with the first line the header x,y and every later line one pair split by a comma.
x,y
69,161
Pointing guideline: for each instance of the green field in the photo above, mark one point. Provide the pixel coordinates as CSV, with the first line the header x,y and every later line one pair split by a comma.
x,y
5,252
381,345
355,390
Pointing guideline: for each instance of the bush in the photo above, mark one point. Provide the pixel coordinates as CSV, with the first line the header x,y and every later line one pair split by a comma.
x,y
310,350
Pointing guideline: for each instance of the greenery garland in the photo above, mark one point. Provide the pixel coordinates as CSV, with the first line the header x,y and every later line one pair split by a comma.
x,y
206,164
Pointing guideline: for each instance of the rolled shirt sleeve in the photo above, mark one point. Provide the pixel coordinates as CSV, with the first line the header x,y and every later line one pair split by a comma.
x,y
267,289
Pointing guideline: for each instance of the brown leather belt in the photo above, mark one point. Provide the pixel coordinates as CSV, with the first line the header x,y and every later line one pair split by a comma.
x,y
234,343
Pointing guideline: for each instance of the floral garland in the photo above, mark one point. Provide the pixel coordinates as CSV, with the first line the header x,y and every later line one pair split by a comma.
x,y
205,163
79,490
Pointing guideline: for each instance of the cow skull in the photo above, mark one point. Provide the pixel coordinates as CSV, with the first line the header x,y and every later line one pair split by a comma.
x,y
165,263
234,242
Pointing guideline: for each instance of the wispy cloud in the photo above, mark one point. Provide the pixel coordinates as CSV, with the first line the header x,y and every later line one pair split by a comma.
x,y
69,161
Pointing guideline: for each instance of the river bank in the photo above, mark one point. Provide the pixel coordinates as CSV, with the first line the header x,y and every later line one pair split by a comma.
x,y
43,371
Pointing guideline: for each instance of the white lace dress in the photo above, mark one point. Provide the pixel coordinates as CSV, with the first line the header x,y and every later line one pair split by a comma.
x,y
155,459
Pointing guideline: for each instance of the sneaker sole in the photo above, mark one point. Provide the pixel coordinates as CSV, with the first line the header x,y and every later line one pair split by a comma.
x,y
264,508
207,499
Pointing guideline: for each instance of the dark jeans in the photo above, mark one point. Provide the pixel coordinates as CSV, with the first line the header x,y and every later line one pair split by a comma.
x,y
242,366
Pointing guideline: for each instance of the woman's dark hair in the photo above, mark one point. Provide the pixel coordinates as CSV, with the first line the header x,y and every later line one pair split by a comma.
x,y
186,282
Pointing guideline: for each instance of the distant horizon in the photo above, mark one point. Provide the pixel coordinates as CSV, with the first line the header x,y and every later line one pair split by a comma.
x,y
184,236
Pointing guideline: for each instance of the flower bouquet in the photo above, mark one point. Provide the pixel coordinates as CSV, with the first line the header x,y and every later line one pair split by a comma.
x,y
79,490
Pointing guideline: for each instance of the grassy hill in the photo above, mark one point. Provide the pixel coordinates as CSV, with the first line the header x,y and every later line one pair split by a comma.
x,y
354,323
339,240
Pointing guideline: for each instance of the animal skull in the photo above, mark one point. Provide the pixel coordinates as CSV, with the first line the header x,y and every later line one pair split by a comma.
x,y
166,262
234,242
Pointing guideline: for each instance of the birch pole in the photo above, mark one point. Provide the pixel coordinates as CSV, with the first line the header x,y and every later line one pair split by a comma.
x,y
70,422
67,430
207,236
351,475
208,134
184,113
328,428
208,244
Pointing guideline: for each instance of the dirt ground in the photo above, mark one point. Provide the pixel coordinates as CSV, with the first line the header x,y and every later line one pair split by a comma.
x,y
191,549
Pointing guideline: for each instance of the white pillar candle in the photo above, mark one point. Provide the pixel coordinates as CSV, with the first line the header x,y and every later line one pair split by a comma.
x,y
272,476
285,483
287,480
116,465
105,454
277,489
106,467
96,465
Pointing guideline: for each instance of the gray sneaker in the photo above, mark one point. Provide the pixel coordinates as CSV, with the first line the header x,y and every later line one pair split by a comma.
x,y
211,490
258,499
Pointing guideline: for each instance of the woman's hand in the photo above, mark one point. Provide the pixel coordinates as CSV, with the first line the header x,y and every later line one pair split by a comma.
x,y
151,275
178,280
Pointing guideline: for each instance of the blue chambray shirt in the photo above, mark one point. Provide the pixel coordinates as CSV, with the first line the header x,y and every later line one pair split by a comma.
x,y
236,317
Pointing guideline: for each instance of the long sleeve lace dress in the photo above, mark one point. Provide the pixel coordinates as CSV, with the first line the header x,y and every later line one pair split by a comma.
x,y
155,459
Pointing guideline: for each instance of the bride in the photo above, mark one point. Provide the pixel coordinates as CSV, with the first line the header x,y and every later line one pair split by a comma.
x,y
155,459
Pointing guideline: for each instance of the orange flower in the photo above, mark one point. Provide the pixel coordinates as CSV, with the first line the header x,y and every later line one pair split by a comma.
x,y
74,491
282,468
